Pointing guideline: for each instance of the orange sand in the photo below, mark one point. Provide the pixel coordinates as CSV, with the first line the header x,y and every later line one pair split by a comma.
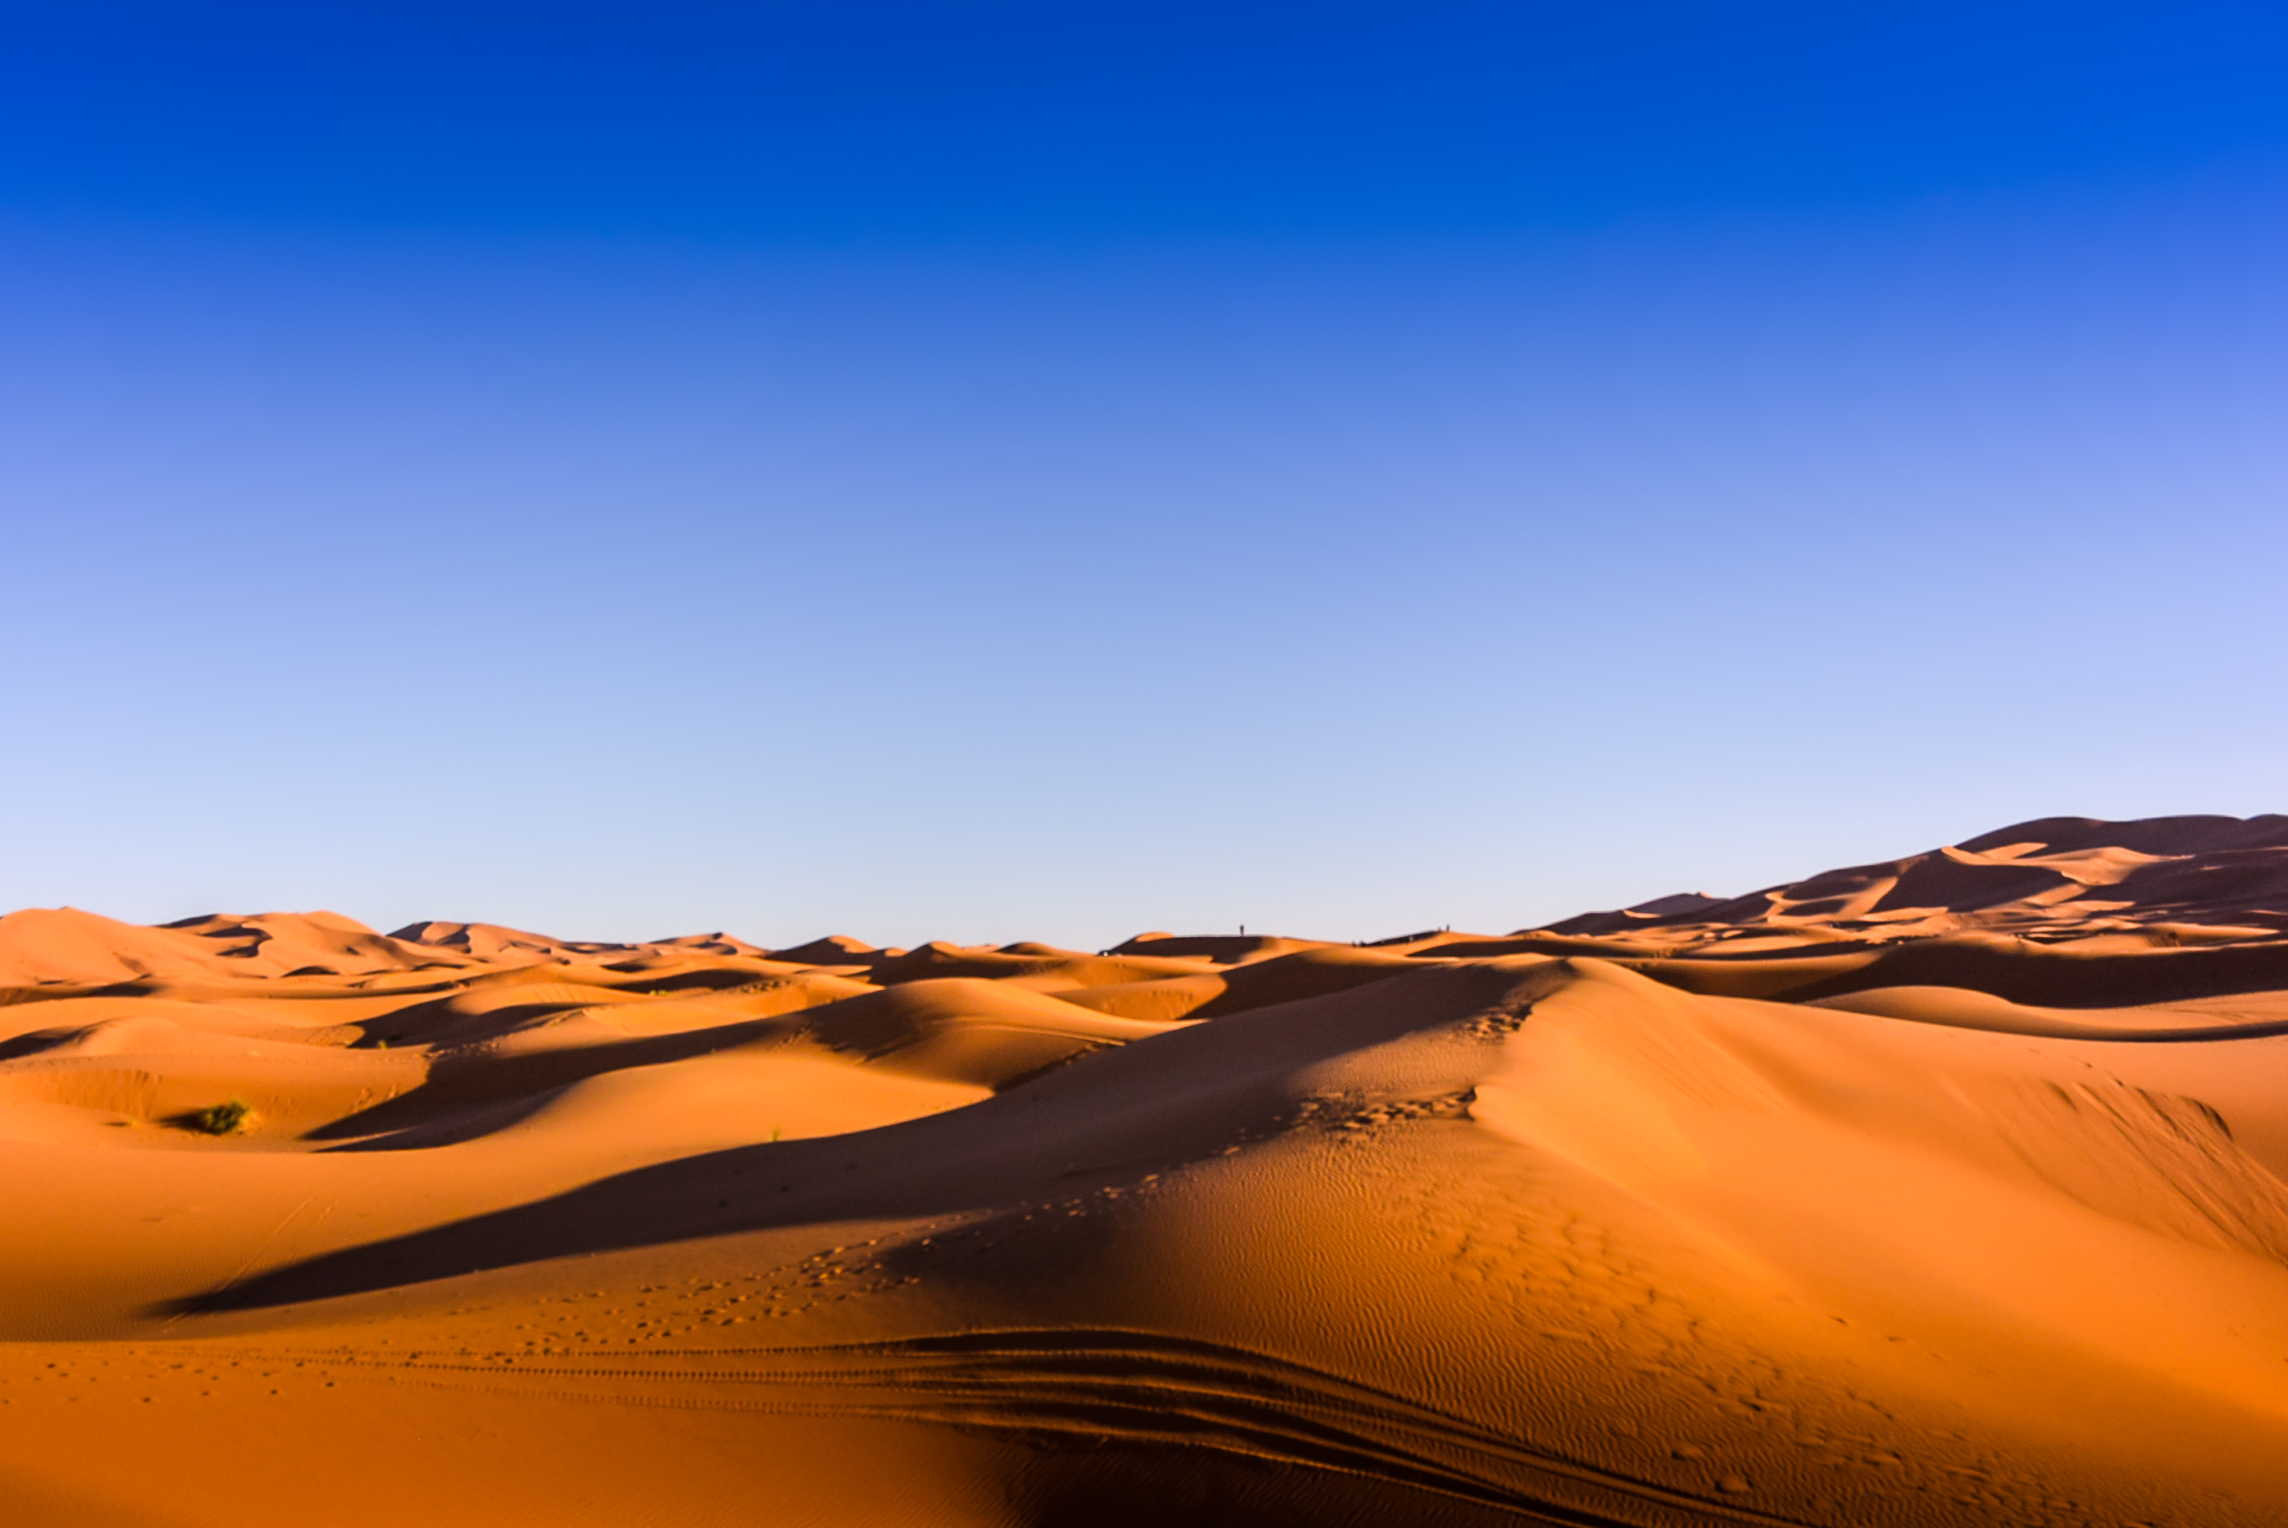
x,y
1949,1190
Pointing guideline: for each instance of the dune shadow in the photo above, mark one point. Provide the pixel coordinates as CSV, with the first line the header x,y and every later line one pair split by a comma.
x,y
472,1122
489,1082
993,1153
747,1188
37,1041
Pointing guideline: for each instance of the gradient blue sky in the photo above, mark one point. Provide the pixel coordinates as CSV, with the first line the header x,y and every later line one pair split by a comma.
x,y
1001,471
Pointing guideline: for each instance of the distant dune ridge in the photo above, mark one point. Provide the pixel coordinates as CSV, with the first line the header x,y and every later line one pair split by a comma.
x,y
2161,881
1952,1189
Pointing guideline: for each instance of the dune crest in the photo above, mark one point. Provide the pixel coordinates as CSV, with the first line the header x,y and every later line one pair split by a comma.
x,y
1948,1189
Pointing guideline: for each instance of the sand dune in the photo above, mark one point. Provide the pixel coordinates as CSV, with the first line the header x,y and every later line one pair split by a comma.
x,y
1948,1190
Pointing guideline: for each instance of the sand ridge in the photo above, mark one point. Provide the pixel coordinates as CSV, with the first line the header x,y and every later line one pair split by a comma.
x,y
1949,1189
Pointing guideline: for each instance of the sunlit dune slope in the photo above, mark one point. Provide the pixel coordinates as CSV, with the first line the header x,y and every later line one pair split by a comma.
x,y
1948,1190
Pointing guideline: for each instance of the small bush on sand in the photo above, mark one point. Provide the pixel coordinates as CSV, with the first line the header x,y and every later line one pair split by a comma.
x,y
223,1118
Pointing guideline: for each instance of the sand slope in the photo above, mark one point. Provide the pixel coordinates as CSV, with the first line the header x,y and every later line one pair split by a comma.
x,y
1951,1190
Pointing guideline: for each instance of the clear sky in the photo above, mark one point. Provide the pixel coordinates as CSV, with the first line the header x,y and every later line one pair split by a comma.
x,y
997,471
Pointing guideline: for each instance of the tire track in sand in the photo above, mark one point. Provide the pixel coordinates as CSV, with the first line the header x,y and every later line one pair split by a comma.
x,y
1080,1387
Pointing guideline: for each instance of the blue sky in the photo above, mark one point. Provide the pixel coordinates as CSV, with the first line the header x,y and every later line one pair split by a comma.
x,y
1022,471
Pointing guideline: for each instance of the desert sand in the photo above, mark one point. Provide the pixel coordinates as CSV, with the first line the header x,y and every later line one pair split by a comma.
x,y
1952,1189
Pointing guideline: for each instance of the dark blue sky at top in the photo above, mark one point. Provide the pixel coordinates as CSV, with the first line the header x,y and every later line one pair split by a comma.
x,y
866,120
1021,470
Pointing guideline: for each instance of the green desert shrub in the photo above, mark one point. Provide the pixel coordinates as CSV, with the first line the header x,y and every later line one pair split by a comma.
x,y
224,1118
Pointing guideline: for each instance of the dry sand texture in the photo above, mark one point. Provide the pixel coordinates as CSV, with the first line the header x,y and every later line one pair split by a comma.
x,y
1943,1191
